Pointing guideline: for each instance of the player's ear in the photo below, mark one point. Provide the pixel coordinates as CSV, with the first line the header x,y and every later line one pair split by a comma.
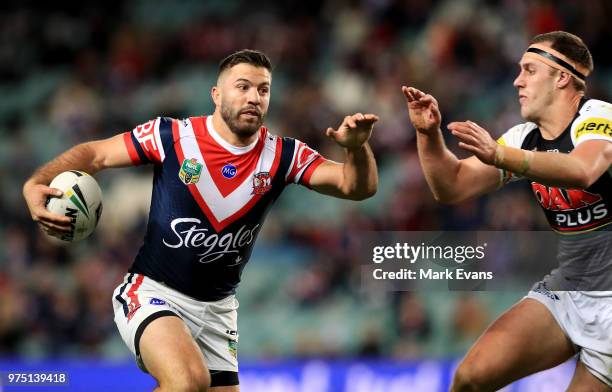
x,y
563,79
215,93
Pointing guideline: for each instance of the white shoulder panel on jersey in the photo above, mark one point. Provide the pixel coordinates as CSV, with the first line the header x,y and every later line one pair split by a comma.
x,y
594,122
514,137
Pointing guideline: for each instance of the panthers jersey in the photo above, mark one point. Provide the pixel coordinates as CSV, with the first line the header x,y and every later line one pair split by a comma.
x,y
570,211
209,200
585,256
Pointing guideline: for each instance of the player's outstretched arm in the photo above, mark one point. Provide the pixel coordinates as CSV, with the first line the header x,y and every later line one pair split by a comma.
x,y
450,179
578,169
89,157
357,177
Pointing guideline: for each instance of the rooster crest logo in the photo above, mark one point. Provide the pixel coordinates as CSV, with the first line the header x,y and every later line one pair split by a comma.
x,y
261,183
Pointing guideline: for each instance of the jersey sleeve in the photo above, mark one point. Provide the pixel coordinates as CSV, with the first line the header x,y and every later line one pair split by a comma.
x,y
593,123
304,162
148,142
514,137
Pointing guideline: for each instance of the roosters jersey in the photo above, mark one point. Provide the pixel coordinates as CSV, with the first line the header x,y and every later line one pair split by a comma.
x,y
209,200
584,216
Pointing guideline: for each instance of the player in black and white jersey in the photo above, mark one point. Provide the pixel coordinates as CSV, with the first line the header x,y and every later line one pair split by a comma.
x,y
215,178
565,151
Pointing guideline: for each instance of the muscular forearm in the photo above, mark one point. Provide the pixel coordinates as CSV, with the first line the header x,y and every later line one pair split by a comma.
x,y
547,168
440,166
80,157
360,176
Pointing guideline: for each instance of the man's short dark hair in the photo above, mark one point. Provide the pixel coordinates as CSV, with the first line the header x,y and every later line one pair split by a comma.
x,y
570,46
248,56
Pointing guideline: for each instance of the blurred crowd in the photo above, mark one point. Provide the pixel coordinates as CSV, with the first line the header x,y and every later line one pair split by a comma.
x,y
74,73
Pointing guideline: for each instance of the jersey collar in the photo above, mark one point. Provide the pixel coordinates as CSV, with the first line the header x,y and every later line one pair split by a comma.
x,y
229,147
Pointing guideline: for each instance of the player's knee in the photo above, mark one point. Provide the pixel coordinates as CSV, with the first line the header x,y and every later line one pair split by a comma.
x,y
192,379
469,378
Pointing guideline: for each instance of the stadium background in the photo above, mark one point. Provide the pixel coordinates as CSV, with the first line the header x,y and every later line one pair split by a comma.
x,y
69,74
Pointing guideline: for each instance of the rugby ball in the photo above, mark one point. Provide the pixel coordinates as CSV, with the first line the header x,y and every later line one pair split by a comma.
x,y
81,201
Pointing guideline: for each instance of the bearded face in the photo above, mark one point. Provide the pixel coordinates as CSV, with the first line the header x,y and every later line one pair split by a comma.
x,y
243,121
244,98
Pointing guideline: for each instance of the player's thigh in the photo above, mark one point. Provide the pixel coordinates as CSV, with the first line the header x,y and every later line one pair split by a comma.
x,y
171,355
230,388
585,381
524,340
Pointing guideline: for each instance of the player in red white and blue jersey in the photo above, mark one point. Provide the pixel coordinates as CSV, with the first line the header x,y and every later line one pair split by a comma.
x,y
209,200
565,151
215,179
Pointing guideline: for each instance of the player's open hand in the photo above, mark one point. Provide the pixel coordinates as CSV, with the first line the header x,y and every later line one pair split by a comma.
x,y
475,139
36,197
354,131
423,110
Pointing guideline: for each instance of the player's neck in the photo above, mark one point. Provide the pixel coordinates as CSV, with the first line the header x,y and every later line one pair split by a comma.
x,y
558,116
226,133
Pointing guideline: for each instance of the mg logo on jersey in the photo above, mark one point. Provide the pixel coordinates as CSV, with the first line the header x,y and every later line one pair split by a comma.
x,y
261,183
190,171
229,171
